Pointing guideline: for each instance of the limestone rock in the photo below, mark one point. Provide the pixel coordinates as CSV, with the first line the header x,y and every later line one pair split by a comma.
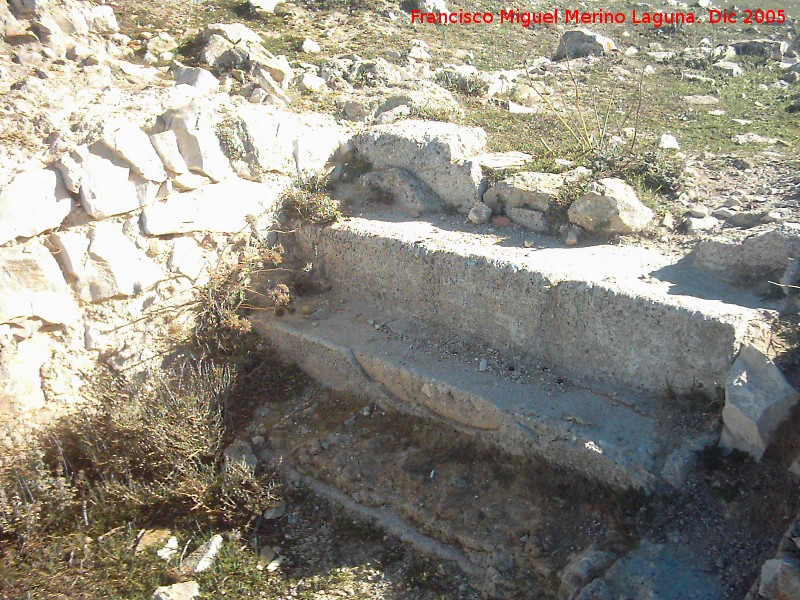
x,y
187,258
435,6
757,400
310,46
664,571
525,189
188,590
26,9
311,83
194,127
760,47
532,220
436,153
480,213
578,43
131,144
222,207
235,33
33,202
273,90
101,19
214,49
20,373
408,192
240,453
166,146
269,140
107,185
731,69
33,287
105,264
161,43
260,8
202,558
669,142
583,568
611,206
201,79
761,252
780,579
422,97
698,224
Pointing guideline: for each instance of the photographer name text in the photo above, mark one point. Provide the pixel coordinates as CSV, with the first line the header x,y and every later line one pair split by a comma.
x,y
580,17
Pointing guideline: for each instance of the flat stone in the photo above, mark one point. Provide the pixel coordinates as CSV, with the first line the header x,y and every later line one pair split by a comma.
x,y
133,145
691,335
33,287
757,400
166,146
701,100
151,537
187,258
222,207
233,32
310,46
502,160
33,202
105,264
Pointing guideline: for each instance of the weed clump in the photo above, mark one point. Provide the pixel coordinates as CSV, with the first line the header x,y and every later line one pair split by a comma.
x,y
138,453
310,201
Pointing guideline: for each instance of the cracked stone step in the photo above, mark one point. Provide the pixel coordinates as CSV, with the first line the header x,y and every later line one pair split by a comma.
x,y
572,428
620,315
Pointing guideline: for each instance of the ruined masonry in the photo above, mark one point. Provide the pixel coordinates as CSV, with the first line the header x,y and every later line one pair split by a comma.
x,y
144,201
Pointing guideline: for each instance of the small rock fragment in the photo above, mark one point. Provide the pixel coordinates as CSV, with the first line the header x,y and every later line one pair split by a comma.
x,y
188,590
480,213
757,400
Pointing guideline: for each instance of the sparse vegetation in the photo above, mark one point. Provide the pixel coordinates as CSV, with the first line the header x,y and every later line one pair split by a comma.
x,y
139,453
309,200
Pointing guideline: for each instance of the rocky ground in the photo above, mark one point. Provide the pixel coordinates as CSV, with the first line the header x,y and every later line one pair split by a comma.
x,y
139,144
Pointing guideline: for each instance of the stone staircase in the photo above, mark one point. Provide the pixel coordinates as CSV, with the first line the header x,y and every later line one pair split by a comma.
x,y
581,357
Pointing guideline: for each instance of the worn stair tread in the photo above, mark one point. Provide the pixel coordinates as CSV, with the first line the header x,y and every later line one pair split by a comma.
x,y
595,434
622,315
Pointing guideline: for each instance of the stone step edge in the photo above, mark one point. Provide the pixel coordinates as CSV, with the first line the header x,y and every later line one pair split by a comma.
x,y
575,430
627,334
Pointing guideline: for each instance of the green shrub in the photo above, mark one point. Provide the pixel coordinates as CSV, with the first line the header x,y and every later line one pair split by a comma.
x,y
310,201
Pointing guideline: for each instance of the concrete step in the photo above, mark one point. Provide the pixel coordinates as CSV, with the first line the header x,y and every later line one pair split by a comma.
x,y
622,315
602,437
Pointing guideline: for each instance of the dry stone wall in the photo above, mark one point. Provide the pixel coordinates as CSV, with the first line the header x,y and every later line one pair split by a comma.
x,y
107,228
